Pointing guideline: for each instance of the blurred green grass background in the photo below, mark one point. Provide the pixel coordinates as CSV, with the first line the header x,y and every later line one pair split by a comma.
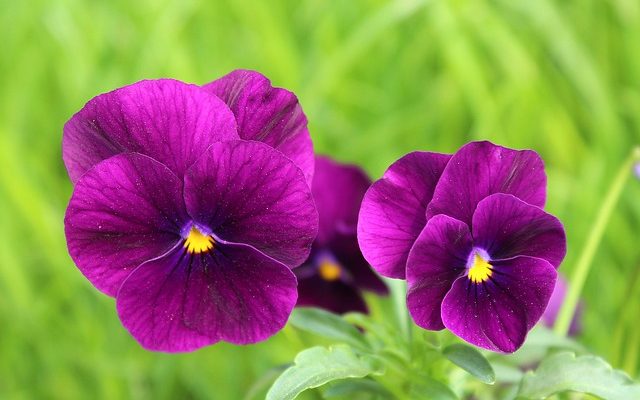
x,y
376,78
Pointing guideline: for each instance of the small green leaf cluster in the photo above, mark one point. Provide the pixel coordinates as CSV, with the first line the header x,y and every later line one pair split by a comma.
x,y
373,360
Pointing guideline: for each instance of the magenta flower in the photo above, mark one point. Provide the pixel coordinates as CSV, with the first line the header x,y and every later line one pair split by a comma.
x,y
151,118
267,114
193,230
483,263
393,211
336,273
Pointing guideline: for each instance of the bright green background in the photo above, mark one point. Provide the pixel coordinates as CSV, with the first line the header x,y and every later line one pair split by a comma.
x,y
377,79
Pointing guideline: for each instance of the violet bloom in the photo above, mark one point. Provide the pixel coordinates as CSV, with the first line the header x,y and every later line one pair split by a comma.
x,y
481,254
336,273
555,304
174,122
193,230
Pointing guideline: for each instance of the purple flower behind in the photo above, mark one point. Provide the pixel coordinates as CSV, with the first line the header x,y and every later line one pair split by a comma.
x,y
336,273
193,230
467,231
555,304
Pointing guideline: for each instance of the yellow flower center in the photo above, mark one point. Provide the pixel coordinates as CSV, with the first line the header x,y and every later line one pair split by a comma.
x,y
329,270
480,271
197,242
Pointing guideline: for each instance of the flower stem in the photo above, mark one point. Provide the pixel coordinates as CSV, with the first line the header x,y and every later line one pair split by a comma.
x,y
631,359
618,348
399,295
583,265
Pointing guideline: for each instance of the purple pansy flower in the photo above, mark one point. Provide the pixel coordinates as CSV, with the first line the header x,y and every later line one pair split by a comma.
x,y
335,273
484,260
192,229
393,211
555,304
267,114
149,117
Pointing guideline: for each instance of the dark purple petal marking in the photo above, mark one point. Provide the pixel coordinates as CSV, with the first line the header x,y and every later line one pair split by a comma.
x,y
480,169
346,250
247,192
498,313
336,296
338,190
437,259
124,211
506,226
183,301
267,114
392,214
168,120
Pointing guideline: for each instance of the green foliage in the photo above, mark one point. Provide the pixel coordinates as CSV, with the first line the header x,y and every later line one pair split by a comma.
x,y
316,366
471,360
351,387
430,389
377,79
404,366
327,325
399,369
587,374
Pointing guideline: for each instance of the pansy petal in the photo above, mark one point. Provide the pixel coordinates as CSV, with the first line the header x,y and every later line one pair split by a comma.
x,y
247,192
345,249
124,211
506,226
335,296
498,313
338,190
480,169
393,211
437,259
170,121
184,301
267,114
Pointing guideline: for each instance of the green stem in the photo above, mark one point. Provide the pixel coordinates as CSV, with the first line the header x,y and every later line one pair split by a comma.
x,y
399,295
631,359
617,348
593,241
293,337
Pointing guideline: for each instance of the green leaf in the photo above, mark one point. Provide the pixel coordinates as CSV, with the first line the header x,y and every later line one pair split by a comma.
x,y
587,374
264,382
356,386
430,389
543,338
506,373
471,360
318,365
540,342
327,325
380,331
